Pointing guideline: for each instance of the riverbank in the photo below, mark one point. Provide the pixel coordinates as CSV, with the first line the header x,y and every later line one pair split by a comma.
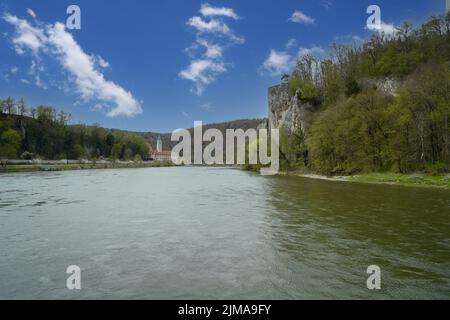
x,y
82,166
411,180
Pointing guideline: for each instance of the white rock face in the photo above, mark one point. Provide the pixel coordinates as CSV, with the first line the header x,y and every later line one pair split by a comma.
x,y
285,110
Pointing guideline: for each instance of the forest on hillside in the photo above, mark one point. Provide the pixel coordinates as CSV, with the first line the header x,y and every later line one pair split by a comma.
x,y
381,105
44,133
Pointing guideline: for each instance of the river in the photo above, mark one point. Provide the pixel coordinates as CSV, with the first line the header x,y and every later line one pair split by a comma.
x,y
213,233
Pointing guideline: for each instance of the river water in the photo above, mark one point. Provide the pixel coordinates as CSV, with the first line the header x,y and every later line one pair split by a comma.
x,y
212,233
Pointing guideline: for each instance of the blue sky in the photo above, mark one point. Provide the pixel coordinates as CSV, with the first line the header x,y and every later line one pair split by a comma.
x,y
159,65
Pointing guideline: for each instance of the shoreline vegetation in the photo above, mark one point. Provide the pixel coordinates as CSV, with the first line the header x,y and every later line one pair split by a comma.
x,y
9,168
421,180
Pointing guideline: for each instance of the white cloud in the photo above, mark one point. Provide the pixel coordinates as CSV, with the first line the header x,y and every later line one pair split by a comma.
x,y
90,83
383,28
314,51
209,11
202,73
31,13
281,62
14,70
213,51
101,62
212,26
300,17
278,62
35,71
206,107
38,82
292,43
25,81
327,4
213,35
26,36
348,38
97,107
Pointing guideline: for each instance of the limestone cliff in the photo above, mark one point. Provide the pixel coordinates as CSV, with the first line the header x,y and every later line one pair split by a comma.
x,y
286,110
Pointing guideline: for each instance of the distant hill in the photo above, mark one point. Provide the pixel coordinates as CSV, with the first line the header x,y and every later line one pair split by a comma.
x,y
151,137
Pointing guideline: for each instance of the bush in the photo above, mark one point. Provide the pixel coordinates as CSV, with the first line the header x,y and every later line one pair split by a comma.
x,y
10,141
308,92
437,168
27,156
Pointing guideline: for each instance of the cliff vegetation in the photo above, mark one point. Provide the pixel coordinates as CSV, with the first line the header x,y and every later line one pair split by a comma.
x,y
378,106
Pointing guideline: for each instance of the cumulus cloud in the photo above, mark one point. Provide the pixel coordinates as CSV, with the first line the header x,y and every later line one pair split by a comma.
x,y
89,82
278,62
300,17
213,36
202,73
209,11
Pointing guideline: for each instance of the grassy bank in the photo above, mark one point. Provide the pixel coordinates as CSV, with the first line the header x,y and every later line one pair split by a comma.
x,y
414,180
418,179
90,166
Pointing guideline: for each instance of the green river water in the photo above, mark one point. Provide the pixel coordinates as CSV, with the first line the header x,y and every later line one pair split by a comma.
x,y
213,233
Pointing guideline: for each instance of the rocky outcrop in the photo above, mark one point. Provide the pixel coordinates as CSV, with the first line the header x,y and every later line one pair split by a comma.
x,y
388,85
286,110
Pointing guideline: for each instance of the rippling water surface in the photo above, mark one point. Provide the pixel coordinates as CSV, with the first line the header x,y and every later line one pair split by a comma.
x,y
209,233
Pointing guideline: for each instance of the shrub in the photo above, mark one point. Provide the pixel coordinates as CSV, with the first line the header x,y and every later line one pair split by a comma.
x,y
27,156
437,168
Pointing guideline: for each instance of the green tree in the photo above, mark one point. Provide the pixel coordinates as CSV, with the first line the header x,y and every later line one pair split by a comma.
x,y
423,110
10,141
116,151
78,152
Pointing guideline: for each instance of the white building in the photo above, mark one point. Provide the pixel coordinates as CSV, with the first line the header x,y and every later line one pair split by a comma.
x,y
159,154
159,147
